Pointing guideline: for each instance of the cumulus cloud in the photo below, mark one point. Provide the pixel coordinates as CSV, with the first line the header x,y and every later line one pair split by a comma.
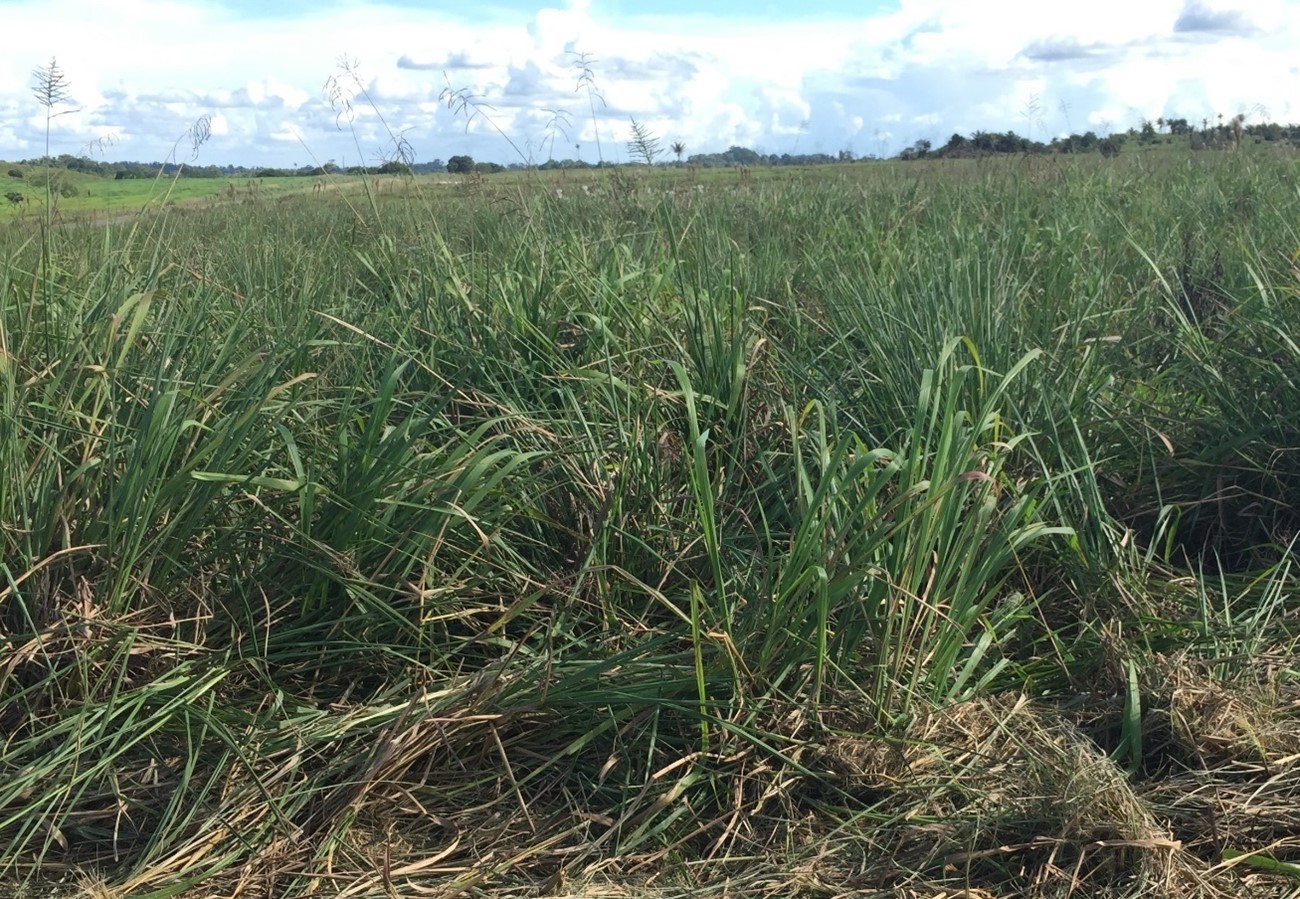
x,y
1063,49
527,84
452,61
657,66
1198,17
148,68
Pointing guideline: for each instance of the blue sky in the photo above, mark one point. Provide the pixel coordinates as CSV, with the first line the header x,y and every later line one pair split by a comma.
x,y
871,76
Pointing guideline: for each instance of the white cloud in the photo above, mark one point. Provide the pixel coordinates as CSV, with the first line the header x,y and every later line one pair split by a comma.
x,y
287,132
145,69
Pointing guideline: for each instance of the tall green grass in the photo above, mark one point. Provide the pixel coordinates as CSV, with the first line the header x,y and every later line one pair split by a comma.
x,y
497,534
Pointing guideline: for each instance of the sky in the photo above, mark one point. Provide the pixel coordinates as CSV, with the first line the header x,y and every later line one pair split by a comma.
x,y
303,82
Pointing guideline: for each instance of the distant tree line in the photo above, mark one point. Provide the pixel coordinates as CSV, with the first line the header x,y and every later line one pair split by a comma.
x,y
738,156
1207,134
1220,134
732,157
989,143
122,171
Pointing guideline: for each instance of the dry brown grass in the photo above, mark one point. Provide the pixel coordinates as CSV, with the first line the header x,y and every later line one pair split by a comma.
x,y
993,798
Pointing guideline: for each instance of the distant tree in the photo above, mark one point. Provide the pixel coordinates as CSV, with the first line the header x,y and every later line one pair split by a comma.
x,y
1074,143
460,165
1010,143
488,168
918,150
956,145
741,156
393,167
1110,147
1270,131
678,149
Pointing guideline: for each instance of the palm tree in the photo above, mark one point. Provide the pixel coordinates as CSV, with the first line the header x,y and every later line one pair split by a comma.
x,y
678,149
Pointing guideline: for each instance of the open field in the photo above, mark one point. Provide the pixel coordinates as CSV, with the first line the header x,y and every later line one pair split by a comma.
x,y
96,200
888,530
93,198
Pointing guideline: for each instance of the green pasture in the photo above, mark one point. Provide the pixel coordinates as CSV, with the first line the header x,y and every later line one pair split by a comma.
x,y
92,197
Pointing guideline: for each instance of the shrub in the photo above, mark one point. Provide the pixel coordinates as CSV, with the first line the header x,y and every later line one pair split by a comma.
x,y
15,197
16,173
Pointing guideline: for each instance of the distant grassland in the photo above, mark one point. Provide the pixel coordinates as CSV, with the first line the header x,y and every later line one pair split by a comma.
x,y
94,198
98,197
899,530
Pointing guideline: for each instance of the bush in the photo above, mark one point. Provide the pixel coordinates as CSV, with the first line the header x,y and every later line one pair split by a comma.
x,y
15,197
16,173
